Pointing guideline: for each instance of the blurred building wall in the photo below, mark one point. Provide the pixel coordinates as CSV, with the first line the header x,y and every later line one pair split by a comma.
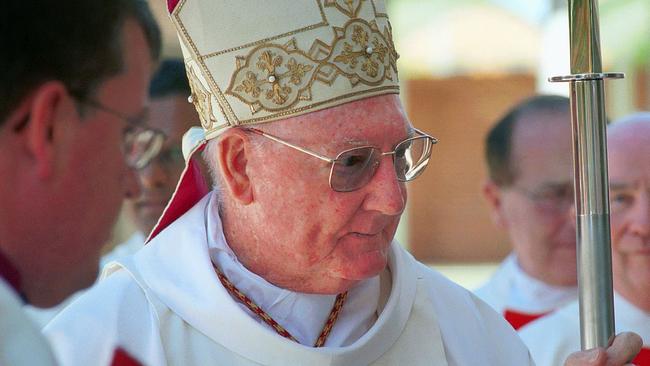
x,y
447,217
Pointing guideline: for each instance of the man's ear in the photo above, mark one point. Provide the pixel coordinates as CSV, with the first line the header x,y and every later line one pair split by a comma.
x,y
49,106
233,149
493,196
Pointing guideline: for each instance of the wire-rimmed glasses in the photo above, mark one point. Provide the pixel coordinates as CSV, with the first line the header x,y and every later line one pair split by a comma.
x,y
141,143
557,197
353,168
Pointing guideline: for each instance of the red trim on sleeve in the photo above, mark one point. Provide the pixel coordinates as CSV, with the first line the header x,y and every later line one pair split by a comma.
x,y
518,319
122,358
643,358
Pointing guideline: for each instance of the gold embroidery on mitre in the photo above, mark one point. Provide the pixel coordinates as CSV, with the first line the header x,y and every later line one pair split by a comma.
x,y
388,34
201,99
379,13
273,77
347,7
362,53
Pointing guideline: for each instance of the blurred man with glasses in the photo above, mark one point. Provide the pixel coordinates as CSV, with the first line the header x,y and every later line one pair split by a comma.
x,y
530,194
628,143
168,117
290,259
172,115
72,107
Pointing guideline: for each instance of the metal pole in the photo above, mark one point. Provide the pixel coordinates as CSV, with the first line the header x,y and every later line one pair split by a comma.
x,y
591,180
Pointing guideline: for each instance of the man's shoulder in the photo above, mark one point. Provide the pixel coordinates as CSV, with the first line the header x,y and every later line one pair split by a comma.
x,y
454,302
101,304
20,341
107,316
468,325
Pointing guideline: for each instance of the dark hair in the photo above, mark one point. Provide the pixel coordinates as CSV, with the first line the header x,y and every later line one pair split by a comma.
x,y
77,42
170,79
498,143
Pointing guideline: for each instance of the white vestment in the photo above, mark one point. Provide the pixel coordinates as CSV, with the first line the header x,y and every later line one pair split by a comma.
x,y
123,250
21,343
166,306
553,338
510,288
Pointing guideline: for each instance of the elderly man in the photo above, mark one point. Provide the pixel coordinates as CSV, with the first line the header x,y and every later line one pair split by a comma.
x,y
291,260
530,194
72,90
550,339
169,113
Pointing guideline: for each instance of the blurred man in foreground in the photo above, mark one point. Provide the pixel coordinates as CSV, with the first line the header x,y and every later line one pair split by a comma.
x,y
171,114
72,95
292,260
552,338
530,194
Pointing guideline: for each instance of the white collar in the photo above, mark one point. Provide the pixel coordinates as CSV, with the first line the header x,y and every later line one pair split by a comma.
x,y
629,317
532,295
302,315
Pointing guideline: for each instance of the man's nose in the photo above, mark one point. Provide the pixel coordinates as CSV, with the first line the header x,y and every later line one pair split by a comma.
x,y
385,193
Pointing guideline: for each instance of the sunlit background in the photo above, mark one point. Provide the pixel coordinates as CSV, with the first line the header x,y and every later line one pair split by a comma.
x,y
464,63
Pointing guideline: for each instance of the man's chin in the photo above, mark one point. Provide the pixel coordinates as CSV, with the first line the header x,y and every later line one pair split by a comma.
x,y
369,265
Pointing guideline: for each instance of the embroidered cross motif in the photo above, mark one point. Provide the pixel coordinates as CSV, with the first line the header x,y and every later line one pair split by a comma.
x,y
273,77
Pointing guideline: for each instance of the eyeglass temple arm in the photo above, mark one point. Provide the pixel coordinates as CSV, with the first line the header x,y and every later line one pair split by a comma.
x,y
302,149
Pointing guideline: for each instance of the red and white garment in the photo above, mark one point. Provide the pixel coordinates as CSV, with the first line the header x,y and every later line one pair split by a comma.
x,y
554,337
521,298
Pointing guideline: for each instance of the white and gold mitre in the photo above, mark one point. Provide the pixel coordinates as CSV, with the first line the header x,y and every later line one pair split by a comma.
x,y
255,61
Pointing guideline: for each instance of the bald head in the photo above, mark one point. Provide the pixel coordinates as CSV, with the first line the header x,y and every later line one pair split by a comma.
x,y
629,176
630,132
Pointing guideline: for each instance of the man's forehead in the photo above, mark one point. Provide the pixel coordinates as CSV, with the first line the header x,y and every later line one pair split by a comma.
x,y
359,120
629,150
539,128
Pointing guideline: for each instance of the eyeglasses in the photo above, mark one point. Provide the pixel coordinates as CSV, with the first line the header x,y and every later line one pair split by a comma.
x,y
140,144
169,158
550,198
354,168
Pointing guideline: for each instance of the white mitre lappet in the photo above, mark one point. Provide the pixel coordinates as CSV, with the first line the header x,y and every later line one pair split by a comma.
x,y
250,62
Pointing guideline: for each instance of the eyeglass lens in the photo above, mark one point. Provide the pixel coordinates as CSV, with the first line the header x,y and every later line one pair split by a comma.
x,y
142,145
354,168
411,157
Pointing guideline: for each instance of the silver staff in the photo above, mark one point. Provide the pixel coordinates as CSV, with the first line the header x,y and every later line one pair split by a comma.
x,y
590,166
